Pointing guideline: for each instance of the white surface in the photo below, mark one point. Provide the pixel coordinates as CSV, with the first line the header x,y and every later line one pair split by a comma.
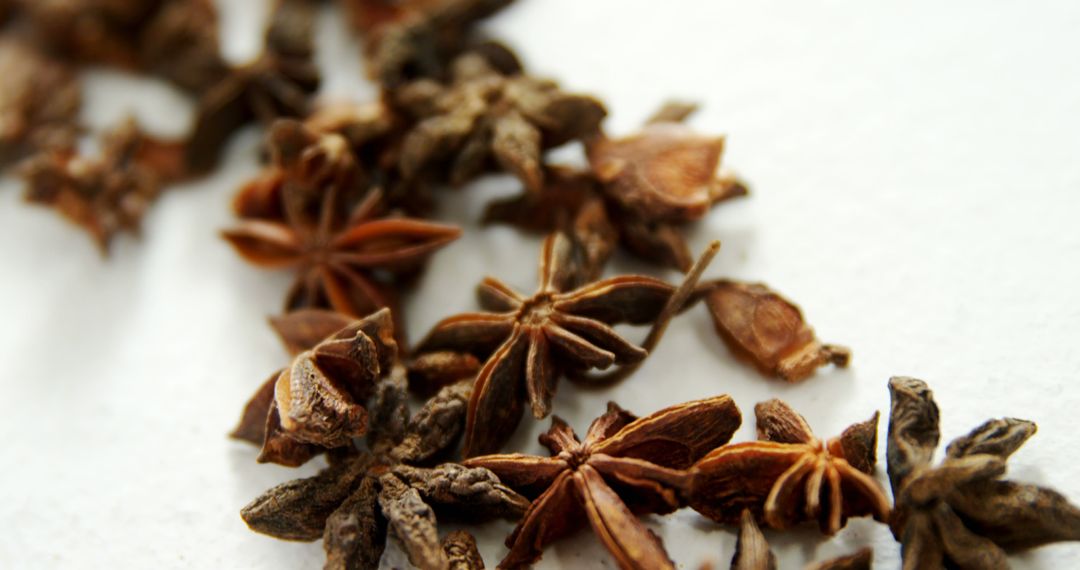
x,y
915,177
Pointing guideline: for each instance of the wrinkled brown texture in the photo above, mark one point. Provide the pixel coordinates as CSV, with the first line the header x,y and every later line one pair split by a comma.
x,y
106,194
626,466
529,342
752,552
365,495
39,104
461,551
483,118
768,330
789,476
961,514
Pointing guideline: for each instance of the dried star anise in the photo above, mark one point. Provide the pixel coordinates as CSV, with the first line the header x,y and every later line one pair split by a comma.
x,y
961,514
353,503
625,467
530,342
279,83
768,330
317,402
789,476
461,551
345,251
752,552
483,114
108,194
39,104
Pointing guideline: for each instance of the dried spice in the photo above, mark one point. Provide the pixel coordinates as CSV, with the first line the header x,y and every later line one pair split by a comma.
x,y
180,43
365,495
768,330
789,476
626,466
483,117
530,342
961,513
752,552
29,121
110,193
345,250
412,39
317,401
461,551
279,83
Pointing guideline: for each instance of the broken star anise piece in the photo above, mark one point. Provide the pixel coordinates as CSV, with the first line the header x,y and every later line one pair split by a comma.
x,y
109,193
789,476
531,341
961,514
345,260
364,495
316,403
625,467
768,330
752,552
39,104
483,116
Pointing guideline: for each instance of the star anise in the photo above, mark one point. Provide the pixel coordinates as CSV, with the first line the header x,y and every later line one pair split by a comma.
x,y
625,467
279,83
529,342
346,255
483,114
461,551
39,104
768,330
352,503
789,476
752,552
317,402
961,514
110,193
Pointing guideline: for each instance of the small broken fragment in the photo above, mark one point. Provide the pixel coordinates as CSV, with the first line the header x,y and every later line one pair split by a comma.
x,y
39,104
461,551
752,552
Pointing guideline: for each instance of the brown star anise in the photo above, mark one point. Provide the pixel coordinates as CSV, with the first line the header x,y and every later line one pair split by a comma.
x,y
108,194
625,466
752,552
789,476
768,330
317,402
344,250
531,341
279,83
961,514
39,104
351,504
483,114
461,551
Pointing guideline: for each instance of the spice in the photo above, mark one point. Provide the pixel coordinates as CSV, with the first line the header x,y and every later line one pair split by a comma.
x,y
961,513
30,122
789,476
752,552
364,495
768,330
626,466
461,552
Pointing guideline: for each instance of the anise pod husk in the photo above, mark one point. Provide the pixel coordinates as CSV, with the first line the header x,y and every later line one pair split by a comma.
x,y
752,552
31,122
461,551
180,43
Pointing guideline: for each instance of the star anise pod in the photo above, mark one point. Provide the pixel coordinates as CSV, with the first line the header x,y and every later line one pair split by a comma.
x,y
529,342
461,551
279,83
39,104
625,467
353,503
411,39
789,476
961,514
768,330
345,255
317,402
110,193
180,43
752,552
483,116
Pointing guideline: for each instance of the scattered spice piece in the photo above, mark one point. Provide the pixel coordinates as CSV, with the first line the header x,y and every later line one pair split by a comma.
x,y
483,115
461,551
752,552
108,194
961,514
626,466
29,121
180,43
316,402
768,330
789,476
362,494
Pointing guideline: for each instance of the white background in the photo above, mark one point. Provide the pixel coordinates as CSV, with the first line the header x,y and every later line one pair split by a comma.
x,y
914,173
